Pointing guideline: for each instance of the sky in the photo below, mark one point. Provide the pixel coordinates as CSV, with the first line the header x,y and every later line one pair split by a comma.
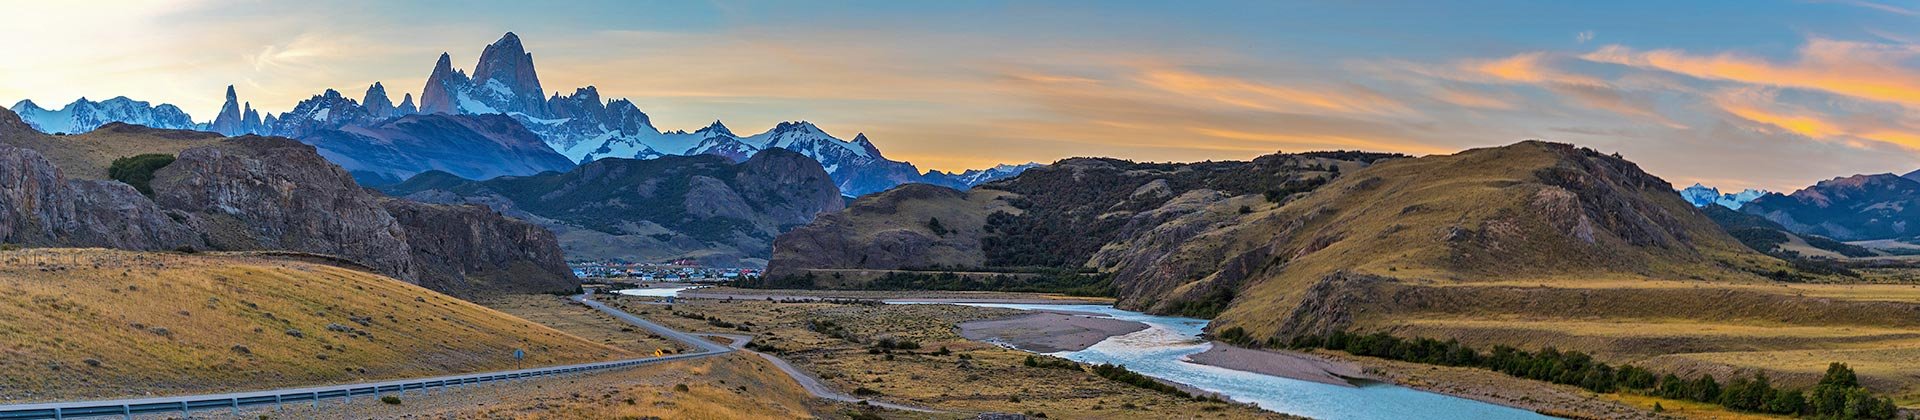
x,y
1734,94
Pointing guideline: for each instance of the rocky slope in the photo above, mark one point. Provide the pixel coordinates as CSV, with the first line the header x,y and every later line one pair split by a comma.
x,y
264,193
39,206
274,193
467,146
469,250
703,206
1055,216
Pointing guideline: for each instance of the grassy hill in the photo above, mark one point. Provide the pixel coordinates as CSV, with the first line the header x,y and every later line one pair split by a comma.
x,y
85,323
87,156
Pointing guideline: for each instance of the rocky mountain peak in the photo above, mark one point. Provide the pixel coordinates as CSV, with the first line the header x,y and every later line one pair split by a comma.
x,y
509,65
377,103
230,121
406,106
715,128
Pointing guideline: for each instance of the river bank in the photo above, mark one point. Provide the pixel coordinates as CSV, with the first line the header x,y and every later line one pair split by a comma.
x,y
1475,384
1048,332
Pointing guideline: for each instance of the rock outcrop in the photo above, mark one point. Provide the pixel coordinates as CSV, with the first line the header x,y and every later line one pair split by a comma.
x,y
470,250
41,207
273,193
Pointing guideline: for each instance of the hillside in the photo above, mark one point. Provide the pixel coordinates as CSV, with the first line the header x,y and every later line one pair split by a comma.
x,y
87,156
98,323
703,207
1050,217
254,193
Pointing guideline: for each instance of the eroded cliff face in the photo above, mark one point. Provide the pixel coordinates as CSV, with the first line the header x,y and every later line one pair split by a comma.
x,y
262,193
254,192
39,206
470,251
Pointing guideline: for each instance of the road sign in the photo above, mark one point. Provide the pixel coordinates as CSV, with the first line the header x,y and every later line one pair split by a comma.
x,y
519,354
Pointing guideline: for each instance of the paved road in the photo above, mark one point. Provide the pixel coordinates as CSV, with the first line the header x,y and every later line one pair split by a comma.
x,y
704,344
806,380
235,400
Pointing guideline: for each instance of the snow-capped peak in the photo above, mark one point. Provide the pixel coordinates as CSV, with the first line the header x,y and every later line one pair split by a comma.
x,y
1701,196
84,115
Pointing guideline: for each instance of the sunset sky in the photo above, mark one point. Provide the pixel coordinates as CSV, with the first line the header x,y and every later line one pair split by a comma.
x,y
1734,94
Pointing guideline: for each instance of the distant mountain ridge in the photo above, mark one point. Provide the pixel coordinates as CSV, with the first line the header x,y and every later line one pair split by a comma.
x,y
580,126
1853,208
701,207
1701,196
83,115
584,128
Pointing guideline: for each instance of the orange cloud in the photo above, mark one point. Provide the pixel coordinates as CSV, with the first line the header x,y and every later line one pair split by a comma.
x,y
1759,107
1854,69
1266,97
1527,68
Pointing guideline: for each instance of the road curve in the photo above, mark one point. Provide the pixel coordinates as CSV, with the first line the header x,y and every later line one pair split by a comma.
x,y
806,380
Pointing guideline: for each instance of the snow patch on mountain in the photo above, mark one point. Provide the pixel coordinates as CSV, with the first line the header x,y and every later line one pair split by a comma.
x,y
84,115
1702,196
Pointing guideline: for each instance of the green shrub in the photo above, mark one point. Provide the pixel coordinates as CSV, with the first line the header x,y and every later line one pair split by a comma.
x,y
390,400
138,170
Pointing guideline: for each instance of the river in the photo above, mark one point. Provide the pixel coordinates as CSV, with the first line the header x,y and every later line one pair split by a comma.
x,y
1161,349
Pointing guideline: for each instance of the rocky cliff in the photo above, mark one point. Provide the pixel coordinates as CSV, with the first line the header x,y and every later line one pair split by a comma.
x,y
470,250
273,193
41,207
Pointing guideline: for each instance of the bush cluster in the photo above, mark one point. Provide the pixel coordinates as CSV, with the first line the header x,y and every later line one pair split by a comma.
x,y
1838,394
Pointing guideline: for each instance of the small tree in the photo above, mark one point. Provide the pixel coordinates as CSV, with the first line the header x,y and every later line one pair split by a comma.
x,y
934,225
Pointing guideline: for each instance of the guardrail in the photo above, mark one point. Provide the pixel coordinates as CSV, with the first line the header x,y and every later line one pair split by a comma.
x,y
186,405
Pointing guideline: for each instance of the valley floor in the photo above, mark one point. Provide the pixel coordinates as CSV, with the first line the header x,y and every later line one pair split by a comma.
x,y
966,377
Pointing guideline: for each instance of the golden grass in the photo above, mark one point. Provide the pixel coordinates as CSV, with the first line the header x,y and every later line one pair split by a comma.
x,y
87,156
1687,409
98,323
584,322
1902,293
737,386
992,380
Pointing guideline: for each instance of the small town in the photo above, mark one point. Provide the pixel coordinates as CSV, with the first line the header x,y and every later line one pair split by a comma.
x,y
686,270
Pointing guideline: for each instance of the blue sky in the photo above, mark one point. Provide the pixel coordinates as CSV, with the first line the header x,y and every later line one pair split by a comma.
x,y
1735,94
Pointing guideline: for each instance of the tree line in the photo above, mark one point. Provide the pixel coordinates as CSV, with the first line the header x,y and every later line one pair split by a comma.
x,y
1837,395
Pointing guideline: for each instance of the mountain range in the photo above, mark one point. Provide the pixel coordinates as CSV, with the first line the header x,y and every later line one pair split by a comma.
x,y
700,207
578,127
1701,196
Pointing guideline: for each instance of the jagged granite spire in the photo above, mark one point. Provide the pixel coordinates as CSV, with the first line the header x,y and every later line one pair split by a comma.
x,y
250,120
438,96
376,102
229,121
508,64
406,106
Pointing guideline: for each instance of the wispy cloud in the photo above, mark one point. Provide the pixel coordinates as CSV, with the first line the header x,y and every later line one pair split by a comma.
x,y
1870,71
